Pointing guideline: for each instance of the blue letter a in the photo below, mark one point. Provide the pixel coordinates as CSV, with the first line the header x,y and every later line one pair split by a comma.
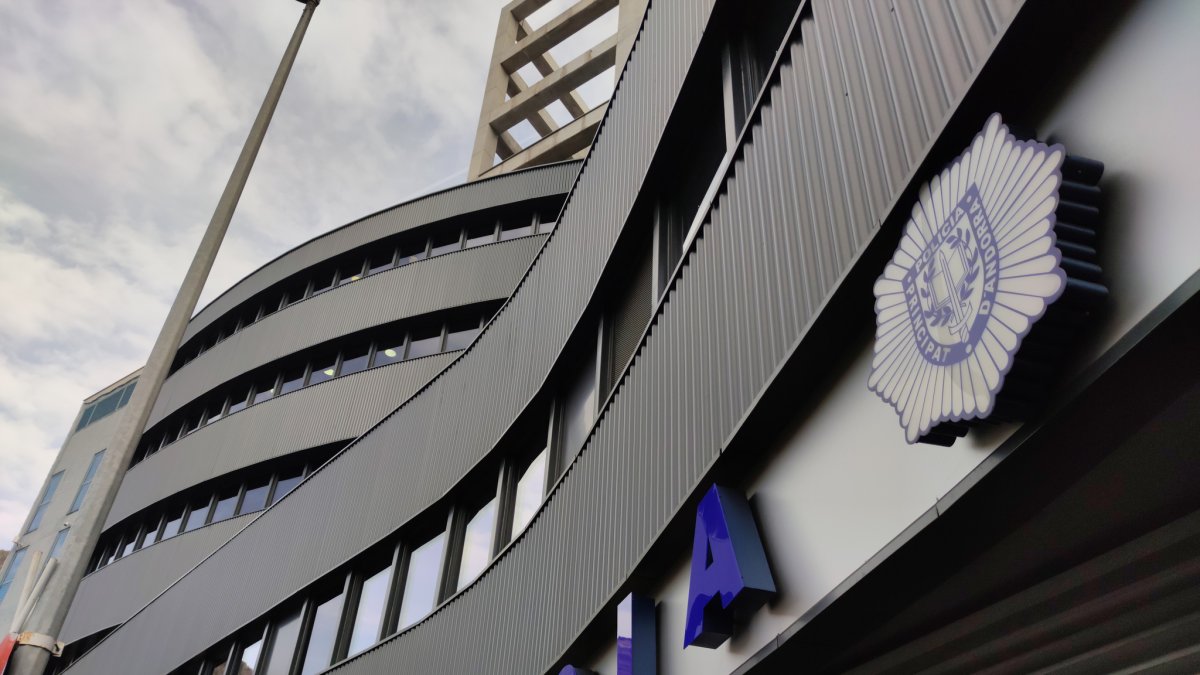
x,y
729,568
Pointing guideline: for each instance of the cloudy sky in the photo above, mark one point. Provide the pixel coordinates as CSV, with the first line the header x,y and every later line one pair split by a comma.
x,y
119,123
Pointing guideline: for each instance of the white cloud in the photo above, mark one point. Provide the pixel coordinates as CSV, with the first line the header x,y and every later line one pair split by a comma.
x,y
119,124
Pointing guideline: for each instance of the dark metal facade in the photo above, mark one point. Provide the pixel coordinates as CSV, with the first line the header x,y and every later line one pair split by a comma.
x,y
862,93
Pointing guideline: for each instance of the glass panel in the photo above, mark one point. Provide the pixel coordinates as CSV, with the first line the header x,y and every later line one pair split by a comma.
x,y
481,237
420,586
59,540
256,496
445,243
265,390
172,527
219,666
319,654
279,660
87,482
48,495
226,504
11,573
250,654
287,483
86,418
425,343
270,306
350,273
355,359
531,489
477,543
216,412
292,380
322,283
543,228
151,537
129,543
238,400
197,515
323,370
391,354
579,406
411,252
380,261
295,292
191,423
127,394
459,339
517,231
369,618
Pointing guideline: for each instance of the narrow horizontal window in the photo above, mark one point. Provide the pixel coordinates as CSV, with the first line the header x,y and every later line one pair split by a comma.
x,y
425,343
323,369
389,354
287,483
322,283
151,537
292,380
381,261
445,243
173,525
350,273
265,390
198,515
355,359
239,399
460,339
256,496
226,505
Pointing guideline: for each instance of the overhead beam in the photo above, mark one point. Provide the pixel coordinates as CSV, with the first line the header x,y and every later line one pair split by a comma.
x,y
572,75
555,31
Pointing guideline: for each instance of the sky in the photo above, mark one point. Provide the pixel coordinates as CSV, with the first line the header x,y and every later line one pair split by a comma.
x,y
119,124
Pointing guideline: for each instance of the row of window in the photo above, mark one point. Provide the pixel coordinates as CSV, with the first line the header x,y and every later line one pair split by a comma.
x,y
410,340
382,256
106,405
203,507
390,587
52,487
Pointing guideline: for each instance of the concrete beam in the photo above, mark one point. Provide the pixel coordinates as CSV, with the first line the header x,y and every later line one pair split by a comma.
x,y
545,65
555,31
541,120
520,9
577,72
487,139
570,141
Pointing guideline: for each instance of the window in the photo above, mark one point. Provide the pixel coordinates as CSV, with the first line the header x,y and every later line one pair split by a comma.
x,y
14,564
578,408
215,412
322,638
270,306
59,540
322,283
130,544
461,335
93,466
355,359
411,252
350,273
238,401
174,523
381,261
479,236
256,496
265,389
283,645
368,620
421,584
519,228
391,354
106,405
323,369
191,423
151,537
287,483
47,496
425,342
292,380
531,489
198,515
226,505
446,242
477,543
249,657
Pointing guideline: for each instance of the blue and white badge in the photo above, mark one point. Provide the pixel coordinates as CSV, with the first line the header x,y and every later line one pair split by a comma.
x,y
976,267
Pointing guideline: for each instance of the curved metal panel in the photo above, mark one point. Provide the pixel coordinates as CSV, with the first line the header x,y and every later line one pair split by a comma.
x,y
337,410
115,592
475,275
543,181
750,287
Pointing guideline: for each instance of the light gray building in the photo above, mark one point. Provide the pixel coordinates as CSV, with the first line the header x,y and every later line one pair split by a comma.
x,y
862,340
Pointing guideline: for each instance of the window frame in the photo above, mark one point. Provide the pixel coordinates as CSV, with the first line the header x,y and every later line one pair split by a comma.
x,y
47,496
88,478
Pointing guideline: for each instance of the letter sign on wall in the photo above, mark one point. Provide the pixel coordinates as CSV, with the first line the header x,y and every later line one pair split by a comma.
x,y
730,577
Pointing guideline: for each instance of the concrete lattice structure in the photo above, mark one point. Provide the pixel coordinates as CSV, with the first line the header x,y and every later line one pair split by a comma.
x,y
509,100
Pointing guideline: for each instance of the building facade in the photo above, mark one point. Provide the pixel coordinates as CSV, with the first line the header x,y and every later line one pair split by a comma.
x,y
887,308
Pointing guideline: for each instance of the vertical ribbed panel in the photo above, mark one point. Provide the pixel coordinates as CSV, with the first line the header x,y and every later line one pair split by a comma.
x,y
113,593
801,202
481,274
543,181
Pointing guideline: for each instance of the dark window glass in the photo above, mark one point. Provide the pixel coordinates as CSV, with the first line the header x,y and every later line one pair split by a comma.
x,y
369,618
198,515
351,272
389,354
518,228
220,336
238,400
226,504
151,537
174,522
191,423
322,282
112,555
531,489
411,252
249,657
321,640
279,660
219,666
215,412
380,261
426,342
106,406
477,543
355,359
459,336
81,494
480,236
292,380
129,544
271,305
420,586
295,292
265,389
323,369
445,242
47,496
126,394
118,549
86,418
579,405
287,483
256,496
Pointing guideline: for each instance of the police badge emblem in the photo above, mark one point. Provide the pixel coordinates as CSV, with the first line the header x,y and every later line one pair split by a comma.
x,y
976,267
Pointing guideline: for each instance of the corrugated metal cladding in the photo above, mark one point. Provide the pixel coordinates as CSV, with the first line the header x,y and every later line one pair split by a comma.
x,y
113,593
338,410
802,200
543,181
486,273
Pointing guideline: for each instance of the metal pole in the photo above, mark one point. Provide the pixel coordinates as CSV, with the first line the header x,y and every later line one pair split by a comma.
x,y
47,619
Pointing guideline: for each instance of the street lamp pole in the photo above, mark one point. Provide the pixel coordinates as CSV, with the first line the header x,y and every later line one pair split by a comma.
x,y
40,630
